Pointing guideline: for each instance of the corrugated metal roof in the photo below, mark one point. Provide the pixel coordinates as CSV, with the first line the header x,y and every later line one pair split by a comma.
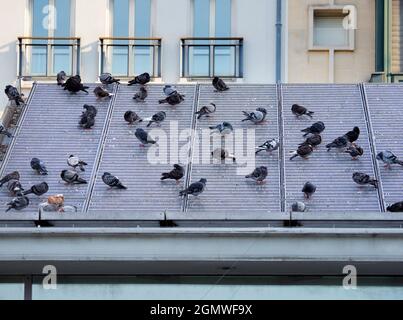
x,y
340,108
228,190
385,107
123,157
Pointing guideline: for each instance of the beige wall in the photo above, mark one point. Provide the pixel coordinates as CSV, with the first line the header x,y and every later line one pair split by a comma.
x,y
313,67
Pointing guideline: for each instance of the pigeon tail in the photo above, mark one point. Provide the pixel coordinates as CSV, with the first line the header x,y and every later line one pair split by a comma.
x,y
81,181
399,162
294,155
310,114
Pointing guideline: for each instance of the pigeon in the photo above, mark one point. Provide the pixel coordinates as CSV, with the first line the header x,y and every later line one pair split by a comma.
x,y
195,189
397,207
142,79
71,177
38,189
74,85
316,128
112,181
257,117
173,99
87,121
176,174
90,110
39,166
169,90
259,175
144,137
303,152
314,141
340,143
61,78
224,128
219,85
13,95
352,136
107,79
132,117
222,154
141,95
14,187
355,151
11,176
157,118
269,146
101,93
300,111
4,131
309,189
298,207
363,179
18,203
206,110
388,158
75,162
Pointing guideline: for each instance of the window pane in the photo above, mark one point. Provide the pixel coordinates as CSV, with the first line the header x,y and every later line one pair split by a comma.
x,y
121,18
40,10
63,12
142,18
329,32
143,61
223,18
199,61
224,63
62,57
11,291
120,61
39,61
201,18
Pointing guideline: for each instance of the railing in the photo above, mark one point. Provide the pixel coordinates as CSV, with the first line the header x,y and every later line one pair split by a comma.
x,y
43,57
127,57
210,57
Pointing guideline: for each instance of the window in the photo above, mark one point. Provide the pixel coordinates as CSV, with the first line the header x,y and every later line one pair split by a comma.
x,y
211,18
131,18
331,28
50,18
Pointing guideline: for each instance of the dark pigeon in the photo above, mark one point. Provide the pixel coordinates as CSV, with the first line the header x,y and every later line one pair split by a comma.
x,y
219,85
71,177
112,181
176,174
38,189
142,79
195,189
39,166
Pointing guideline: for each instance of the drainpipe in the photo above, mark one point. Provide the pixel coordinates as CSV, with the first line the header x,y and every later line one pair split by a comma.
x,y
279,42
388,42
380,36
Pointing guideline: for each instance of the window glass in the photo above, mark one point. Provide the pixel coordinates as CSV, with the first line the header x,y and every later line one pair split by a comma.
x,y
120,29
11,291
201,18
329,32
143,61
62,56
223,18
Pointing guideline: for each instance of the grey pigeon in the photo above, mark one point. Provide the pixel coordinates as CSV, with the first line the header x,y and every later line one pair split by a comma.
x,y
352,136
303,151
269,146
144,137
224,128
388,158
101,93
298,207
90,110
11,176
219,84
173,99
157,118
339,144
169,90
257,117
222,154
19,203
206,110
4,131
13,95
74,85
87,121
142,79
259,175
309,189
195,189
141,95
132,117
176,174
39,166
71,177
107,79
61,78
112,181
75,162
316,128
314,141
363,179
38,189
14,187
355,151
397,207
300,111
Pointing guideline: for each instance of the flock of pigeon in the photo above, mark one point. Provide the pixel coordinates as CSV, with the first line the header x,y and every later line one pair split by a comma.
x,y
345,143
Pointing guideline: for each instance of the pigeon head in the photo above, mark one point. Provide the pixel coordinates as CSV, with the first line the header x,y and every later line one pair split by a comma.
x,y
106,174
379,156
177,166
215,80
356,130
262,110
204,181
35,160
